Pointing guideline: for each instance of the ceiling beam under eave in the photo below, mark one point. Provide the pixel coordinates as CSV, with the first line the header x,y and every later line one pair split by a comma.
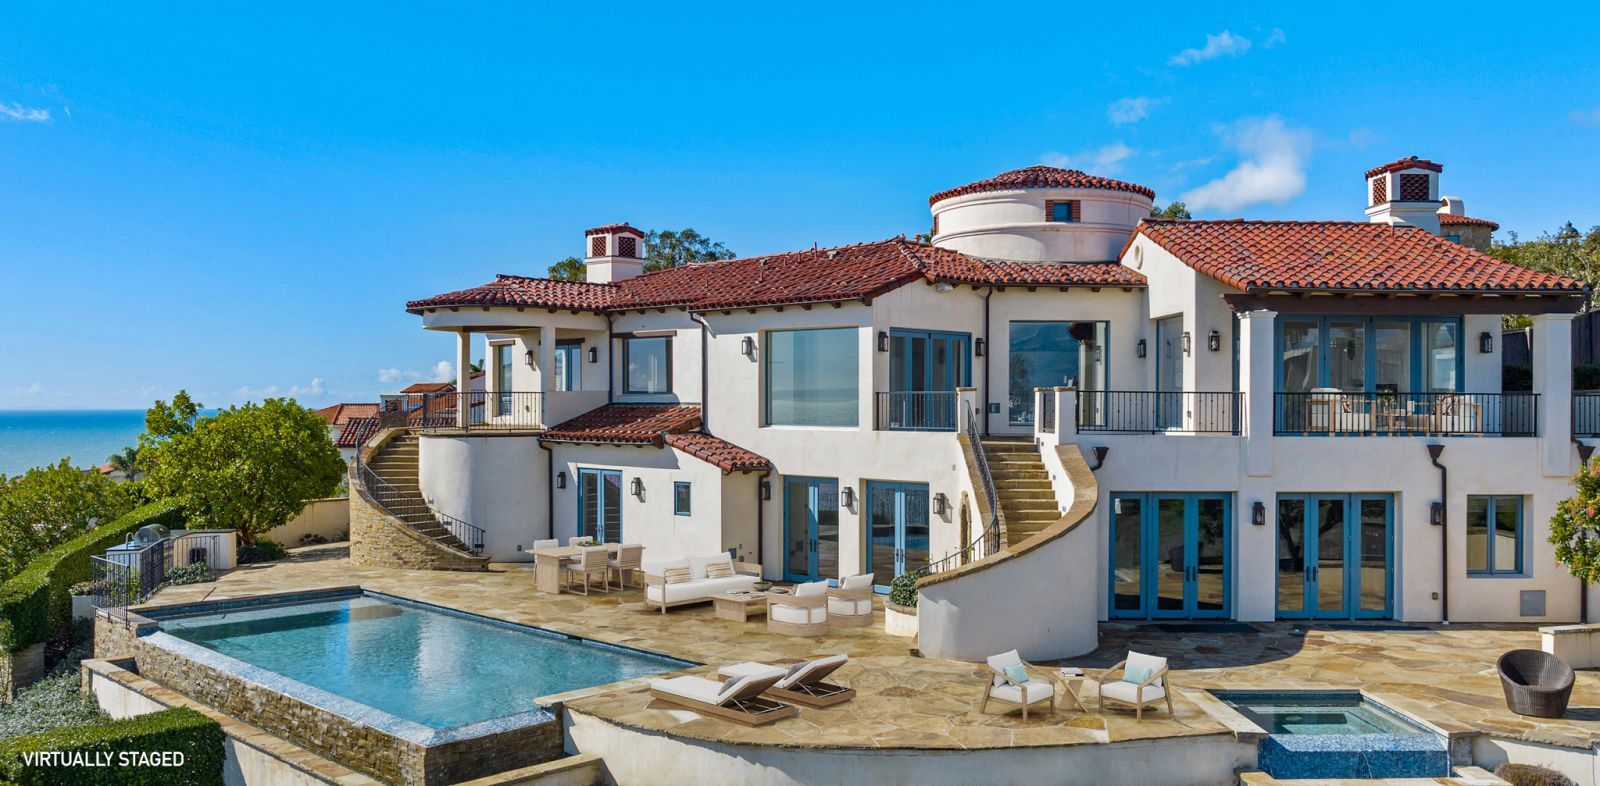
x,y
1408,303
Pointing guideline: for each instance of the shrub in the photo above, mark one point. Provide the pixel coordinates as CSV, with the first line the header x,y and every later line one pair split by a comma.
x,y
1514,379
903,589
36,603
1531,775
262,550
49,704
192,573
312,539
1584,378
182,730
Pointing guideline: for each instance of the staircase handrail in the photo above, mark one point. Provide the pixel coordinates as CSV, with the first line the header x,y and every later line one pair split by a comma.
x,y
989,539
393,499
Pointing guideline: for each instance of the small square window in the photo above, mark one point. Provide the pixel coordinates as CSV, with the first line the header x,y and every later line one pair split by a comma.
x,y
1062,212
1414,188
1453,238
597,245
1494,536
680,498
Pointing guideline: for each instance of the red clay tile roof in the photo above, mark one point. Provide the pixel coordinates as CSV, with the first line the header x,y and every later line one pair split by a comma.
x,y
1340,255
339,414
626,424
1451,219
1041,177
622,227
1409,162
357,431
429,387
718,452
810,276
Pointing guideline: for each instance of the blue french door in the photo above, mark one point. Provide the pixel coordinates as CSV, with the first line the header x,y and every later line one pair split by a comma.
x,y
1170,555
600,504
810,528
1335,556
897,529
925,368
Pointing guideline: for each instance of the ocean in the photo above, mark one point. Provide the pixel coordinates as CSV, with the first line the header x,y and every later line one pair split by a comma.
x,y
33,438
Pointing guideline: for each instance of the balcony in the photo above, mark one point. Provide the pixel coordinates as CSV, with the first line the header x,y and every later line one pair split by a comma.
x,y
1158,411
475,411
1586,413
915,411
1337,413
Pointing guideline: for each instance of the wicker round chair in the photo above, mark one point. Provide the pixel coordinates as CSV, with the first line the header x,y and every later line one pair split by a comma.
x,y
1536,683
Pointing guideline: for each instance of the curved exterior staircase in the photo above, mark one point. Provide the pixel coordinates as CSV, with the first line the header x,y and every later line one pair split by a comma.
x,y
1022,484
391,525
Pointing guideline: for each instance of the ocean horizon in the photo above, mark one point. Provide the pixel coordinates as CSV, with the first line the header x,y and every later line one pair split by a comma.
x,y
38,437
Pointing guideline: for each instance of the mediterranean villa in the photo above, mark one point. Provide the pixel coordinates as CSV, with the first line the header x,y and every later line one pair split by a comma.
x,y
1055,411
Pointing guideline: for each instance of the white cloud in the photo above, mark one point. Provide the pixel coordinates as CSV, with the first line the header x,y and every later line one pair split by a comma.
x,y
1273,168
1589,118
1106,160
1274,38
18,112
316,388
443,371
1219,45
1130,110
1361,138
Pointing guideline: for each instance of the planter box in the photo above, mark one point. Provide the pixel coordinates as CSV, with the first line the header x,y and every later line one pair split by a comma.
x,y
1575,644
899,620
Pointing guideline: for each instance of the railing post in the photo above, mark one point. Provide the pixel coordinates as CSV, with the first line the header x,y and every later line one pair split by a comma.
x,y
1552,379
1066,403
464,377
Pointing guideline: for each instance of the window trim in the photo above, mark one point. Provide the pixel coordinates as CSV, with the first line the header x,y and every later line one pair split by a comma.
x,y
1490,570
683,506
627,341
1074,211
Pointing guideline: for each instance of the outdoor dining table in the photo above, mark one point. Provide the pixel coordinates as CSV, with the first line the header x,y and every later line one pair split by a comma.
x,y
547,565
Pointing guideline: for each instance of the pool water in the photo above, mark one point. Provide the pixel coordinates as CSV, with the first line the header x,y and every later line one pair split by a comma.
x,y
1320,715
431,666
1337,734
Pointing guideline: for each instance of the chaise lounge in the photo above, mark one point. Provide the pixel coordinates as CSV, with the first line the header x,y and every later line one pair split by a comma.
x,y
802,683
738,699
688,580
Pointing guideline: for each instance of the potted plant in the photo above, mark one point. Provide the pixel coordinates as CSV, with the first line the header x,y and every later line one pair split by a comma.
x,y
900,611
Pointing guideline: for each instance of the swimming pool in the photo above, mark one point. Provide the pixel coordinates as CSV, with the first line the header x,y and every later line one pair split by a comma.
x,y
1338,734
434,667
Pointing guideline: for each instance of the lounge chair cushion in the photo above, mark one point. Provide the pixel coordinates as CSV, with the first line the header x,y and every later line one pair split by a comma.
x,y
811,589
693,688
861,581
797,615
1027,693
693,590
1122,690
850,607
1149,664
1001,661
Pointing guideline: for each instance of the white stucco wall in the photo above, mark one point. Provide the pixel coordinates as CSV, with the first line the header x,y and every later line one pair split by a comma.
x,y
496,482
1012,225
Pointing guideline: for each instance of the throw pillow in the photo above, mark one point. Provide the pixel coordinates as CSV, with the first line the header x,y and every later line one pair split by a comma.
x,y
1016,672
1136,674
719,570
676,576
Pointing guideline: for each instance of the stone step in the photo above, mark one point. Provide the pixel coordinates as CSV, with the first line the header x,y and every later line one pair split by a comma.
x,y
1003,475
1027,495
1025,484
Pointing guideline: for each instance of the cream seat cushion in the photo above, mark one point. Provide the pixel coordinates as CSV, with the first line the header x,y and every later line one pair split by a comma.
x,y
696,589
1035,691
797,615
1125,691
850,608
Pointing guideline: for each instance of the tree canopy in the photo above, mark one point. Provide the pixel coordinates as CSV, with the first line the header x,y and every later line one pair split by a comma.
x,y
1565,252
1575,529
663,248
1175,210
250,468
48,506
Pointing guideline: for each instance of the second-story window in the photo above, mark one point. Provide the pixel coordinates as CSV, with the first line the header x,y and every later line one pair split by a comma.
x,y
502,378
647,364
812,377
1064,211
568,364
1384,355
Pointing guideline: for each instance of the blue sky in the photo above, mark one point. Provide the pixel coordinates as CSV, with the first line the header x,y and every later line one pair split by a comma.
x,y
239,201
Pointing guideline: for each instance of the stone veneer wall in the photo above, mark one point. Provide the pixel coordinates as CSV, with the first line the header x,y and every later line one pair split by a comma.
x,y
20,669
378,540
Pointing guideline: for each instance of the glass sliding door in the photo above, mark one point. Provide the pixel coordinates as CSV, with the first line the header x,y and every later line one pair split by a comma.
x,y
925,368
897,529
600,504
567,364
1051,354
1170,556
1169,372
810,528
1335,555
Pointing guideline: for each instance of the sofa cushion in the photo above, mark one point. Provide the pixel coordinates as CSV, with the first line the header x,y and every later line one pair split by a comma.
x,y
676,576
719,570
697,590
659,567
1033,691
1001,661
1122,690
811,589
856,582
850,607
1145,664
697,564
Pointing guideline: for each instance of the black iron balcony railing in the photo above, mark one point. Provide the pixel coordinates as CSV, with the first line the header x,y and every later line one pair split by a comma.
x,y
1159,411
1332,412
127,577
915,411
1586,413
478,410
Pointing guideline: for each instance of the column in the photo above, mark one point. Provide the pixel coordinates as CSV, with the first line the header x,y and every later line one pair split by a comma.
x,y
1257,356
545,379
1552,380
463,378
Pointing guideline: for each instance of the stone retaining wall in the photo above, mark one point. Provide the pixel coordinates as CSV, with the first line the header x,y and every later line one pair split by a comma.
x,y
20,669
378,540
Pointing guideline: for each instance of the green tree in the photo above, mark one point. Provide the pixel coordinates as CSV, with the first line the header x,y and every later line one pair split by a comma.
x,y
249,468
1575,528
1565,252
666,248
48,506
1176,210
163,421
569,269
125,461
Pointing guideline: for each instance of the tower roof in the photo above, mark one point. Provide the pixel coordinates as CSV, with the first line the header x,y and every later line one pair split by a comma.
x,y
1042,177
1409,162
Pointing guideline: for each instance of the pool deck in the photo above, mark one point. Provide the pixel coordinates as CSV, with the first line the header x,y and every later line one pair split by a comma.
x,y
1443,675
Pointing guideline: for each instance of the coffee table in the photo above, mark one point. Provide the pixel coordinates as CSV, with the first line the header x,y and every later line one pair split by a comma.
x,y
739,608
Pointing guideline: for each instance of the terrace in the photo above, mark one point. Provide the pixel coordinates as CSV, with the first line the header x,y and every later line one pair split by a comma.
x,y
1440,676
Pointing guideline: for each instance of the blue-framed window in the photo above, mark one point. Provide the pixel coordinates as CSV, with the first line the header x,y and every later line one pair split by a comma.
x,y
680,498
502,378
1369,354
568,364
647,364
1494,535
812,377
1061,212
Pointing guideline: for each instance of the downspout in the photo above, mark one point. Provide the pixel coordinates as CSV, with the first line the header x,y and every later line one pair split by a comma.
x,y
550,488
988,352
611,367
705,408
1434,451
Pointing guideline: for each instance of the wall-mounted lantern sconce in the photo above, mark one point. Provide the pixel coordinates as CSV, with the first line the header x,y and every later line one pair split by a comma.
x,y
1214,341
1187,346
533,358
1142,348
1258,514
594,354
561,480
883,341
941,503
1486,342
1436,514
637,487
766,490
980,347
848,496
747,346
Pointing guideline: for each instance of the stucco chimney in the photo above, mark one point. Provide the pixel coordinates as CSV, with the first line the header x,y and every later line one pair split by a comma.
x,y
1405,193
613,253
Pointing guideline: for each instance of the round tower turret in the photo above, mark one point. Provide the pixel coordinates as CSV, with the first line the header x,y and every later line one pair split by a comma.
x,y
1040,214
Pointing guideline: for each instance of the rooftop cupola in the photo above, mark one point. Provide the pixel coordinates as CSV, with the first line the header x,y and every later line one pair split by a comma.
x,y
615,253
1040,214
1405,193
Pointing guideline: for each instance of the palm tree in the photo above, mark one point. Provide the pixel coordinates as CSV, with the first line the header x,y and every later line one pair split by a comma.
x,y
125,461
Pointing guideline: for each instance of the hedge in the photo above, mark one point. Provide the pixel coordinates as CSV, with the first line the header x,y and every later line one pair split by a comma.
x,y
160,735
36,604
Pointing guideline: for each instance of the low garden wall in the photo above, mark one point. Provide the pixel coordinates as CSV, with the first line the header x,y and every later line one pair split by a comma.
x,y
328,519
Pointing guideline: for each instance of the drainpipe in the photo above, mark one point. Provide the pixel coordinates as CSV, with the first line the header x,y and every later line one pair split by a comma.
x,y
988,352
1100,452
611,344
549,488
1434,451
705,408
